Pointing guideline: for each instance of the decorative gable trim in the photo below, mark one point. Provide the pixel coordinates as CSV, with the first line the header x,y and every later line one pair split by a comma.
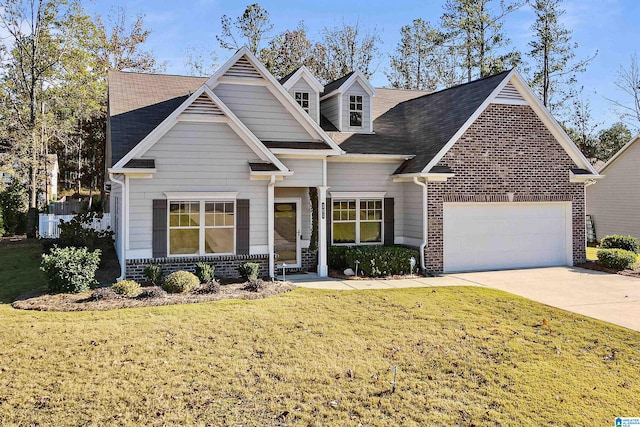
x,y
356,76
515,79
510,95
620,152
202,108
243,69
228,117
304,73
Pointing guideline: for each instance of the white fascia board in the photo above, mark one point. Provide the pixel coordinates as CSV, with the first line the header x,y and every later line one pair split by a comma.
x,y
279,92
620,152
303,72
431,177
550,122
132,172
347,84
292,153
583,177
467,124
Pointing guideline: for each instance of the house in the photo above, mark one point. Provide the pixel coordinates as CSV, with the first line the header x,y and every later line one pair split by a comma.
x,y
239,166
614,202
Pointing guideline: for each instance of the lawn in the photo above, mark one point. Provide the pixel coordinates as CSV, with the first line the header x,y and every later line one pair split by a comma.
x,y
465,356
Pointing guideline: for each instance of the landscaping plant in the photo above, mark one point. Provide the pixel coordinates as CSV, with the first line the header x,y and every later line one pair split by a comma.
x,y
79,233
127,288
153,274
204,272
70,269
380,261
180,281
249,270
616,241
617,259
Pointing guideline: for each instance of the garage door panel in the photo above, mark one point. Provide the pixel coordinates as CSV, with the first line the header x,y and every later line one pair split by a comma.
x,y
487,236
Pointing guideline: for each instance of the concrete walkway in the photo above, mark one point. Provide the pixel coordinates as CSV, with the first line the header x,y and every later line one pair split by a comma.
x,y
609,297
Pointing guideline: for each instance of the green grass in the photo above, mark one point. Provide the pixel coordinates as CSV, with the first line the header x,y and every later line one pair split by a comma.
x,y
466,356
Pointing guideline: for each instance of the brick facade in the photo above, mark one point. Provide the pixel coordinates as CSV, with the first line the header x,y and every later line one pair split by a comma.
x,y
506,150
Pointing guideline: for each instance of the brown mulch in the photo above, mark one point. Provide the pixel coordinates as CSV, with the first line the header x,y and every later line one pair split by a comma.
x,y
42,301
596,266
337,274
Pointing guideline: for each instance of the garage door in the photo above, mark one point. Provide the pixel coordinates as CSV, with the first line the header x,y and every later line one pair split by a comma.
x,y
494,236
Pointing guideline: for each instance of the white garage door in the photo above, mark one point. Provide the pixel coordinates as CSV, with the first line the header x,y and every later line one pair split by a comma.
x,y
494,236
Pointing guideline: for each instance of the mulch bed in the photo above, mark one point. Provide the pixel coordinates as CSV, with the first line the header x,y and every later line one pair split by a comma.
x,y
337,274
595,265
41,301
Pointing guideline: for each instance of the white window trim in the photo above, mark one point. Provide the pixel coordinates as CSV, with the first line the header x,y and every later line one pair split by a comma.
x,y
195,196
342,198
358,194
201,228
308,108
361,111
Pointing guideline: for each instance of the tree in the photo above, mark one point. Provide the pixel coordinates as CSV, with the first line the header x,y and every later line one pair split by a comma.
x,y
201,60
611,140
581,129
252,26
422,61
628,81
552,53
474,29
348,48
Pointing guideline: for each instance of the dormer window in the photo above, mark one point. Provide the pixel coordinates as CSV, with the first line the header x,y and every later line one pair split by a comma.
x,y
302,98
355,110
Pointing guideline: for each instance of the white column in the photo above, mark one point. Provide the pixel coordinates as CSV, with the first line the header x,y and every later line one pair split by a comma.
x,y
270,224
323,211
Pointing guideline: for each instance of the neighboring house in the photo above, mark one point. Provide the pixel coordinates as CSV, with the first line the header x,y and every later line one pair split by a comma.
x,y
229,168
614,203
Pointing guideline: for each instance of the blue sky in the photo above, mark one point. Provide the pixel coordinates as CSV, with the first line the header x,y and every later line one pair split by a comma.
x,y
609,27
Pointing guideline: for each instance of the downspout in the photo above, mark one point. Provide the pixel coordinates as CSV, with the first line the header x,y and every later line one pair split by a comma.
x,y
122,226
270,224
425,221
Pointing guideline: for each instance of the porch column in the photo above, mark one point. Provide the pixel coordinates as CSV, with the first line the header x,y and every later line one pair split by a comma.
x,y
270,224
323,211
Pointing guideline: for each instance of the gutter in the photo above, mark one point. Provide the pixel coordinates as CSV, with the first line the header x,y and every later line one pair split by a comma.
x,y
270,224
425,222
123,263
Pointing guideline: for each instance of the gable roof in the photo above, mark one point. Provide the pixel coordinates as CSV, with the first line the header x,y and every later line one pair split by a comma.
x,y
620,152
138,103
331,86
301,73
345,82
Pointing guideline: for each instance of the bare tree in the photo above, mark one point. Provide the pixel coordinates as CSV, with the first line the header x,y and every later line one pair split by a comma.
x,y
628,81
251,28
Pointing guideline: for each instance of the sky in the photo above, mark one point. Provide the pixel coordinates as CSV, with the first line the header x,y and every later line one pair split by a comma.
x,y
607,28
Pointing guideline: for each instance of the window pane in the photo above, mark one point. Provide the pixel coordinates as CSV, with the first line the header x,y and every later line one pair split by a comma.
x,y
370,232
194,214
229,214
218,240
344,232
355,119
183,241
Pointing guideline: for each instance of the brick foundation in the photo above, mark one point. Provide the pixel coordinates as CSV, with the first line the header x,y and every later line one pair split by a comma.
x,y
507,150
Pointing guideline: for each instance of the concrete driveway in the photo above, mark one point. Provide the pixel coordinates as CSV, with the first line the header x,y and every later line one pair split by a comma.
x,y
609,297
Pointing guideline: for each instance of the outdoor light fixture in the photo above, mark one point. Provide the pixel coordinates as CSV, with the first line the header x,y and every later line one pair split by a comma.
x,y
284,272
357,263
412,263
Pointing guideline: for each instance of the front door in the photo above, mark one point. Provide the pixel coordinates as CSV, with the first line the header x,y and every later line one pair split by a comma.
x,y
287,231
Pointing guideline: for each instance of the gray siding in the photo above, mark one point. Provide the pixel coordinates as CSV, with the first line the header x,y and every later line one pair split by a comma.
x,y
412,210
207,157
306,173
614,201
369,177
330,109
356,89
302,86
262,113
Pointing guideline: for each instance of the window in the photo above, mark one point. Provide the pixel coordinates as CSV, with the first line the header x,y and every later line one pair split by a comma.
x,y
355,110
201,227
357,221
302,98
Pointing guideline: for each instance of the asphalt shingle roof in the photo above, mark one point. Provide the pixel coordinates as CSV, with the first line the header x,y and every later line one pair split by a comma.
x,y
331,86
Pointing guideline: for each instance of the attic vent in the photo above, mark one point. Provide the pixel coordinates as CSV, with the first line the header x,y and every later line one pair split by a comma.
x,y
203,106
243,69
509,95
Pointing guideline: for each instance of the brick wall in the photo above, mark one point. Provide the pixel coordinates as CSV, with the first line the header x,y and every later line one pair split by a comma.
x,y
507,149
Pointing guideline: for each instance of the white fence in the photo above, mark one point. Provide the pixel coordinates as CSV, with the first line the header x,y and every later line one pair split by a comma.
x,y
48,224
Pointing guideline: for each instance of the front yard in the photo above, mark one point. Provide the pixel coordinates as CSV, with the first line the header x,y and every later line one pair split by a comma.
x,y
465,356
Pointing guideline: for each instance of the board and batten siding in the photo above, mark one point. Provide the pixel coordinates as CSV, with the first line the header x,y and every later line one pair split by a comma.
x,y
262,113
330,109
356,89
369,177
196,157
302,86
614,202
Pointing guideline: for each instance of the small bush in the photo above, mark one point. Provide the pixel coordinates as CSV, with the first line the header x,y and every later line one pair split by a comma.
x,y
78,232
380,261
153,274
180,281
337,257
255,285
70,269
211,287
615,241
617,259
154,292
14,208
103,294
127,288
249,270
204,272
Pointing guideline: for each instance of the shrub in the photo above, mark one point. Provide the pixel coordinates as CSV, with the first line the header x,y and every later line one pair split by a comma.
x,y
78,232
255,285
211,287
153,274
337,257
154,292
205,272
618,259
180,281
249,270
615,241
13,203
127,288
380,261
70,269
103,294
1,224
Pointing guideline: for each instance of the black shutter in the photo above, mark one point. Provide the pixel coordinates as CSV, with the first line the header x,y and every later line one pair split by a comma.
x,y
328,209
388,221
242,226
159,221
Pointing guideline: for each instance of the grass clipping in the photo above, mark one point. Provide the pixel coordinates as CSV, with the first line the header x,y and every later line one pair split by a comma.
x,y
41,301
